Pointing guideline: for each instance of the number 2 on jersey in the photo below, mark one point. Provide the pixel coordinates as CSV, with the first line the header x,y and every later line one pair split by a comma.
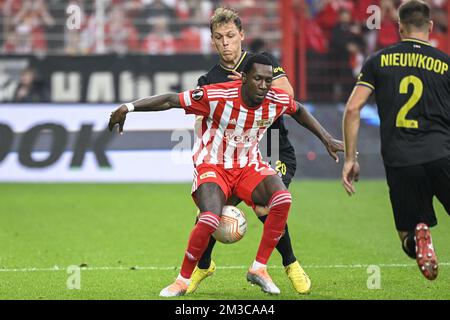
x,y
402,122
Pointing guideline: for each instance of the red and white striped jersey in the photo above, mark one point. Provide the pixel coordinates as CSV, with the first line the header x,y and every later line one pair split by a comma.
x,y
230,132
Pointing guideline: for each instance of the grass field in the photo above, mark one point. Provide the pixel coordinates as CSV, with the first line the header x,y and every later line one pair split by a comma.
x,y
130,240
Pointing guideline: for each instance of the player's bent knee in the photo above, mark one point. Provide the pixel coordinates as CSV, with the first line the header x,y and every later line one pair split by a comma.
x,y
233,201
280,200
261,211
210,220
265,190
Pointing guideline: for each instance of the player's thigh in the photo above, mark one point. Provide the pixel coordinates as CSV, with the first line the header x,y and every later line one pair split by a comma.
x,y
210,188
251,176
210,198
286,165
264,191
439,175
411,197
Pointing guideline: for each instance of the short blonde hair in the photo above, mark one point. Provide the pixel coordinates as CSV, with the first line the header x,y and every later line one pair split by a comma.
x,y
224,15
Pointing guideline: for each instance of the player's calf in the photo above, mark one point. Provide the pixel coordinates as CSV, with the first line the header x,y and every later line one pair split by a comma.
x,y
198,241
279,206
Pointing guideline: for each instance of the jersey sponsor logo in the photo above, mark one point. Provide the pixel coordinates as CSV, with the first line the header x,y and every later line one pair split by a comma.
x,y
197,94
263,123
209,174
244,137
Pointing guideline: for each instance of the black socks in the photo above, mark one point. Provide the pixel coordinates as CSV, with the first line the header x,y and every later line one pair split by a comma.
x,y
409,245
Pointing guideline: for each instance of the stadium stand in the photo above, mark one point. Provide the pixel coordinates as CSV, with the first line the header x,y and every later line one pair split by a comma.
x,y
337,38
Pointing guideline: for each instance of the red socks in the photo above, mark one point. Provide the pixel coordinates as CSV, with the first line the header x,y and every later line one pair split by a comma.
x,y
274,226
208,222
198,242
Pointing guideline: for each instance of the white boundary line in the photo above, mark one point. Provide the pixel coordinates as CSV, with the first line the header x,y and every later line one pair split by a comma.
x,y
135,268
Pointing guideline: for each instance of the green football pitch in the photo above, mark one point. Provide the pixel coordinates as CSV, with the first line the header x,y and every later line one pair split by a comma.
x,y
129,240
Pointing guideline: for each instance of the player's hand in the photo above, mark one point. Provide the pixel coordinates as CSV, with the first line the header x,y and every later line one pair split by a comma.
x,y
235,76
333,147
350,174
118,116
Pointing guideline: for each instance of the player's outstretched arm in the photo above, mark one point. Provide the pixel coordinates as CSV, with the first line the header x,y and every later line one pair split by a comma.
x,y
153,103
350,125
307,120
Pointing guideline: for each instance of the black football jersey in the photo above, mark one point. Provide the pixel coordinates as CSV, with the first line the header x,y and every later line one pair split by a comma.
x,y
219,73
411,82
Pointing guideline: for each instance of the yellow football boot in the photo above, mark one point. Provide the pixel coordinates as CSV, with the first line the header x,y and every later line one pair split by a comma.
x,y
299,279
199,275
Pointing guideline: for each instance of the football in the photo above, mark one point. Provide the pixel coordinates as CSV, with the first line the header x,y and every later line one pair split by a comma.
x,y
232,226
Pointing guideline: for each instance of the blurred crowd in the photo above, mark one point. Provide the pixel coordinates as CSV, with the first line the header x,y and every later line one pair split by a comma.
x,y
132,26
337,36
331,22
340,35
181,26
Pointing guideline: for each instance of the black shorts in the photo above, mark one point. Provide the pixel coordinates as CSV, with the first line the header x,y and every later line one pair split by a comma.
x,y
286,165
412,188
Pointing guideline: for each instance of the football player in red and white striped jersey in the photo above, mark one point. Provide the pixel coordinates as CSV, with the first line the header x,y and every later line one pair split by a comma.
x,y
227,35
236,115
230,130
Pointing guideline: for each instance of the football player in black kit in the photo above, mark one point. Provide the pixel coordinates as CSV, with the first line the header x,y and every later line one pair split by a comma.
x,y
227,36
411,82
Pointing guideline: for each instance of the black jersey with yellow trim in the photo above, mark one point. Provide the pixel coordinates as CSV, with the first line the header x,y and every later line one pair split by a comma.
x,y
411,82
220,73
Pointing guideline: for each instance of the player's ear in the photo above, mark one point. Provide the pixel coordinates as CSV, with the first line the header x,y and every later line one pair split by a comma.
x,y
242,34
430,26
401,29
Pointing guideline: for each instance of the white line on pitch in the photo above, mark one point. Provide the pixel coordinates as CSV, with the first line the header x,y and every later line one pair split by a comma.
x,y
337,266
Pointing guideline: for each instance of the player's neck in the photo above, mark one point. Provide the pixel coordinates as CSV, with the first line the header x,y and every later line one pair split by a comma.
x,y
246,99
418,36
232,64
